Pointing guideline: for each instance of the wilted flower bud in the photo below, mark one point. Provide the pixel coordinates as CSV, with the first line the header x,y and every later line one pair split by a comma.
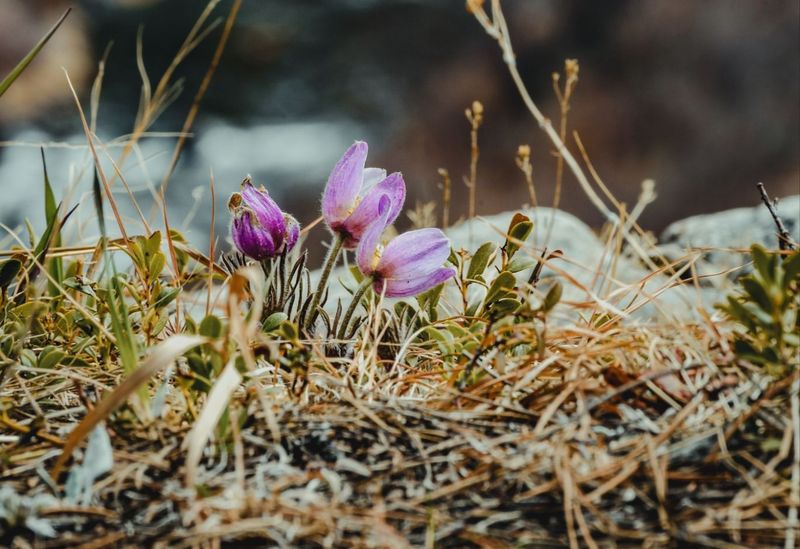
x,y
260,229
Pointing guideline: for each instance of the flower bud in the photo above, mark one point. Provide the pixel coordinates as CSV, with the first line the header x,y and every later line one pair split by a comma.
x,y
260,229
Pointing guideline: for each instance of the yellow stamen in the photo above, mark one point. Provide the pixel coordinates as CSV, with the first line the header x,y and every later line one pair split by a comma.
x,y
376,256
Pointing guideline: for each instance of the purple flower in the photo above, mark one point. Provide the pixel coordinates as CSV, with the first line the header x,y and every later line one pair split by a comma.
x,y
409,264
353,193
260,229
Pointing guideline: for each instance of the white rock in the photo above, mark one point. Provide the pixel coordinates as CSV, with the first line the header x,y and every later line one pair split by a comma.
x,y
586,269
736,228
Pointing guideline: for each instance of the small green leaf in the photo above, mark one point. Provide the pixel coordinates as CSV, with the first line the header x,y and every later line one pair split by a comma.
x,y
480,260
764,262
8,272
757,293
156,266
553,297
152,245
289,330
519,264
55,266
518,232
738,312
500,288
51,357
429,300
274,320
167,296
791,269
211,327
504,307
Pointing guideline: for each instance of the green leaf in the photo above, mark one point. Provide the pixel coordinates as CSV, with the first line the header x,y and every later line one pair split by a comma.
x,y
757,293
763,261
156,265
500,288
8,272
211,327
121,327
22,65
518,231
519,264
791,269
274,320
429,300
553,297
51,357
480,260
289,330
504,307
454,259
55,265
166,296
738,312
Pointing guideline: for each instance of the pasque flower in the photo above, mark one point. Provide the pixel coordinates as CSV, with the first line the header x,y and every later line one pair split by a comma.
x,y
350,202
353,193
409,264
260,229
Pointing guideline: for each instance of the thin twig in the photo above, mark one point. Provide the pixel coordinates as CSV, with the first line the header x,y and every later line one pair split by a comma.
x,y
785,241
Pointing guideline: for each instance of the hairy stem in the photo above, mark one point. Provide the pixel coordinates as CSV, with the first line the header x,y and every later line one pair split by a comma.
x,y
327,267
359,293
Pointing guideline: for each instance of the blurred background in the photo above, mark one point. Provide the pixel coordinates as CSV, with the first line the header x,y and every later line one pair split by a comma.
x,y
702,97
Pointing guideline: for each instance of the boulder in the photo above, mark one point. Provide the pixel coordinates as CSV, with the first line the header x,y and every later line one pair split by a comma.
x,y
585,266
730,229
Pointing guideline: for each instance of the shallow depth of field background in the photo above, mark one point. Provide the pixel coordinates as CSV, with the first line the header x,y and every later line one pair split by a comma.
x,y
703,97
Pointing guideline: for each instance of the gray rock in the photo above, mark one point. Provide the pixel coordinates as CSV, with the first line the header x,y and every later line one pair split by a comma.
x,y
737,228
586,268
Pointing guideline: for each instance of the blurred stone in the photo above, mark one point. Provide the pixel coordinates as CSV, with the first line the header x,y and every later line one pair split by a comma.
x,y
737,228
588,271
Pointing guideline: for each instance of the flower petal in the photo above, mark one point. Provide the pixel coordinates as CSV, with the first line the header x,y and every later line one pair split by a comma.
x,y
366,212
344,183
250,237
406,287
371,238
372,176
414,254
267,211
292,232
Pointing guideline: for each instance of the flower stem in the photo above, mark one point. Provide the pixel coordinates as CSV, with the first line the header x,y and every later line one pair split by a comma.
x,y
330,261
359,293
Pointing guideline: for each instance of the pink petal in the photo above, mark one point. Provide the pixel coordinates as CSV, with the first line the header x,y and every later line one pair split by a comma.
x,y
292,232
267,211
250,237
414,254
344,183
371,238
406,287
392,187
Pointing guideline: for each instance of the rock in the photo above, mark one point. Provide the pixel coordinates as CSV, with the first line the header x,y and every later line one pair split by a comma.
x,y
736,228
590,271
587,270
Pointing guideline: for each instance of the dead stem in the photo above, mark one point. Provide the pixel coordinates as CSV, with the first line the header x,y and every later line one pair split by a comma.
x,y
475,118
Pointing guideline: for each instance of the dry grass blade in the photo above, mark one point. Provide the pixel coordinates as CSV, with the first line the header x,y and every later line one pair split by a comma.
x,y
98,166
218,399
161,356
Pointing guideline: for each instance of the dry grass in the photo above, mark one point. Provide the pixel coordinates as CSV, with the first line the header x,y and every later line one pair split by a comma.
x,y
434,425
